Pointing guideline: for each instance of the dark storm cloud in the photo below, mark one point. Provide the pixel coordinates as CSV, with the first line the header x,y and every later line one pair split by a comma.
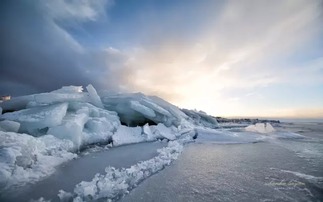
x,y
36,54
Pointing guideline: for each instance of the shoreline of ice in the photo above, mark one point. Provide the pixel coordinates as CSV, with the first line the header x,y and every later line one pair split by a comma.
x,y
39,132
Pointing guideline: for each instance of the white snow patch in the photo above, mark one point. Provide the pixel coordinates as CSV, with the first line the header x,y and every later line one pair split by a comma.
x,y
25,158
118,182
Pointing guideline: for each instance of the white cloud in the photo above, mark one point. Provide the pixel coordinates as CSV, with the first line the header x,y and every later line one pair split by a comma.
x,y
243,47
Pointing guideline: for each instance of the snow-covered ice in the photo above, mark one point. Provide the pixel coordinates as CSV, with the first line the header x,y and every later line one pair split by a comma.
x,y
25,158
41,131
117,182
261,128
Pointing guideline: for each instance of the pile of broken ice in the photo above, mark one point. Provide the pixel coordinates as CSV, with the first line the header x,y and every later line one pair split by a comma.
x,y
41,131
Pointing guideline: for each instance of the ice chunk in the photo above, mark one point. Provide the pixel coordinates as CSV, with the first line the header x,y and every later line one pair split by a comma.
x,y
128,135
9,126
94,97
69,89
165,132
50,98
71,128
38,118
98,129
135,105
205,135
16,103
136,109
260,128
149,134
201,118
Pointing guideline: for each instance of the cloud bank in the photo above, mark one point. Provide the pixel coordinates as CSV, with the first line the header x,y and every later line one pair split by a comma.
x,y
226,58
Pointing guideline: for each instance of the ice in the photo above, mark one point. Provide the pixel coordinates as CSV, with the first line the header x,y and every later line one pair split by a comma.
x,y
147,112
64,94
9,126
128,135
261,128
149,134
226,137
24,158
51,98
71,128
69,89
34,119
137,109
16,103
201,118
86,124
310,178
0,110
162,130
117,182
94,97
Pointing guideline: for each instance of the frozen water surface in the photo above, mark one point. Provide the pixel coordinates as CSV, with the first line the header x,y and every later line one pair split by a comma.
x,y
83,169
43,137
235,172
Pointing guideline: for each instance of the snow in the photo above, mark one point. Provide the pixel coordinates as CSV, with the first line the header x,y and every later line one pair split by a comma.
x,y
117,182
94,97
261,128
25,158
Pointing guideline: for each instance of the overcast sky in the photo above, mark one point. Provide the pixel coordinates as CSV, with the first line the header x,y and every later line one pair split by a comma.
x,y
228,58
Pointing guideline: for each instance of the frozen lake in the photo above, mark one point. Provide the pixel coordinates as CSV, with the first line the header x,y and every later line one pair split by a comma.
x,y
242,172
275,170
84,168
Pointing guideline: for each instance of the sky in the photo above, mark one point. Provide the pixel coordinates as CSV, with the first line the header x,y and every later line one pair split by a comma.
x,y
229,58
